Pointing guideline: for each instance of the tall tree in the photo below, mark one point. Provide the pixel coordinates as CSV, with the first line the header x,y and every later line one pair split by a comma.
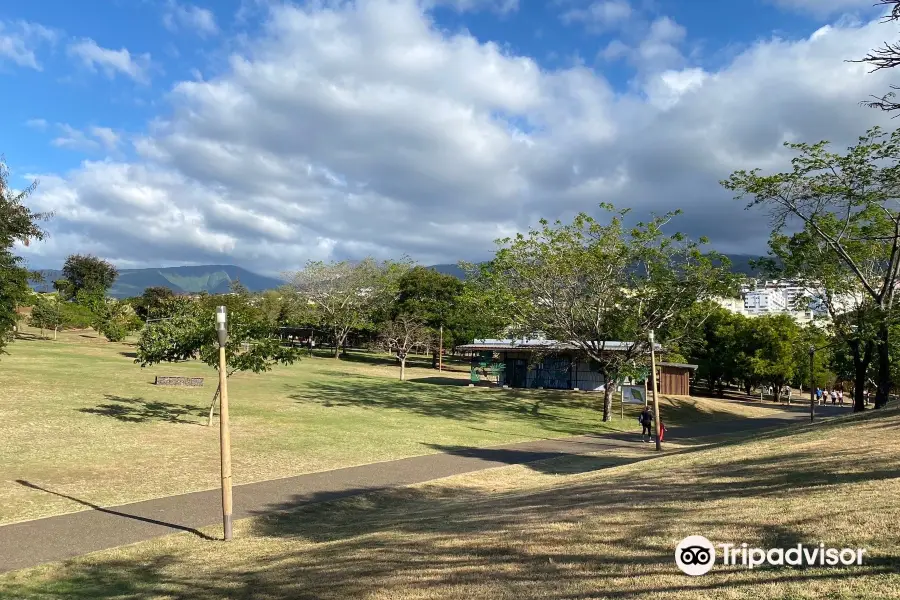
x,y
430,298
47,314
345,295
18,223
847,205
148,304
834,289
400,336
86,278
589,283
189,332
774,339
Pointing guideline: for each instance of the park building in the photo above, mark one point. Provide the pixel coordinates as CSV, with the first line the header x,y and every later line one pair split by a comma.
x,y
555,365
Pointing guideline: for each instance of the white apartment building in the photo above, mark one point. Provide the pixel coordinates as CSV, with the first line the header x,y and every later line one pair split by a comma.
x,y
764,302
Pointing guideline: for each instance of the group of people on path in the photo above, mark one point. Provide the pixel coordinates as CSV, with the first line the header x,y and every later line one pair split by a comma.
x,y
646,421
837,396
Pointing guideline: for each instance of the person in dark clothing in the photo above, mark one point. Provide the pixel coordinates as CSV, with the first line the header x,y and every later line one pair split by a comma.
x,y
646,421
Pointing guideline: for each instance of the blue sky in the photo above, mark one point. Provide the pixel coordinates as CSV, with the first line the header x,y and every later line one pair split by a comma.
x,y
569,76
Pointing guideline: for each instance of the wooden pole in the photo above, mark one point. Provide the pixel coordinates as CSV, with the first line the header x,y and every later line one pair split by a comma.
x,y
224,432
812,384
653,389
441,351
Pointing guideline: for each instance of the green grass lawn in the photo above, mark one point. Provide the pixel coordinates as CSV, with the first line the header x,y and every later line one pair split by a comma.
x,y
576,527
81,419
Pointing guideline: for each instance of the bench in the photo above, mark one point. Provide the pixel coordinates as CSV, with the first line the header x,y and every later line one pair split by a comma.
x,y
179,381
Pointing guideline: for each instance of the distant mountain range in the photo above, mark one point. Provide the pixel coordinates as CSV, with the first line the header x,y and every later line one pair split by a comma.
x,y
213,279
217,279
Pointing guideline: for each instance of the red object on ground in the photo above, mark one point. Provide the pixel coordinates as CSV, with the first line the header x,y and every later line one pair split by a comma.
x,y
662,431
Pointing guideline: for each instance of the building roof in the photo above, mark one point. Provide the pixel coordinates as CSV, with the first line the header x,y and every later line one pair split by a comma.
x,y
532,345
678,365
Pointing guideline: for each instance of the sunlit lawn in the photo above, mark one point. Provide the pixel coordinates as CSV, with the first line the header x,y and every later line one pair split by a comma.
x,y
80,418
578,527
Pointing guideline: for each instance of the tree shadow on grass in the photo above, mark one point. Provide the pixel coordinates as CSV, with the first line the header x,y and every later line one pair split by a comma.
x,y
139,410
610,537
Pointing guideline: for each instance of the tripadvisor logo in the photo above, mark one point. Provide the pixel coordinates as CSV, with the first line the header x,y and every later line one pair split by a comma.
x,y
695,555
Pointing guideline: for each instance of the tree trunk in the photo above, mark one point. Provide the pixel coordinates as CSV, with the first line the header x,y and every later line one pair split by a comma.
x,y
861,362
54,333
608,391
338,340
212,407
884,365
434,360
776,393
403,369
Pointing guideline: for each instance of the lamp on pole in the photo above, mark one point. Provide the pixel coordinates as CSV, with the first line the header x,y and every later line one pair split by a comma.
x,y
653,389
224,433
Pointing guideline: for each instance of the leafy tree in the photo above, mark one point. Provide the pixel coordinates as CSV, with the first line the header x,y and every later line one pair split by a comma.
x,y
115,320
400,336
774,340
18,223
430,298
846,205
345,296
239,288
148,304
814,336
47,314
189,332
715,345
588,283
86,276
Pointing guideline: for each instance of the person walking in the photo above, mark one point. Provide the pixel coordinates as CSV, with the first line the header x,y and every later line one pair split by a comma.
x,y
833,397
646,421
818,395
841,397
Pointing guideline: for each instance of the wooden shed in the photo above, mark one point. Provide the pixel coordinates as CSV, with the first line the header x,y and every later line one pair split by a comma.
x,y
675,378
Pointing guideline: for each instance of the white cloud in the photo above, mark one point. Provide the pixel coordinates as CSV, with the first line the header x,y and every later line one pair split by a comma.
x,y
362,129
94,139
111,62
189,17
600,15
20,40
39,124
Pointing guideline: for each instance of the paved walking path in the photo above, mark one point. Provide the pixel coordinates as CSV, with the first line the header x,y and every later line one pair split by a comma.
x,y
35,542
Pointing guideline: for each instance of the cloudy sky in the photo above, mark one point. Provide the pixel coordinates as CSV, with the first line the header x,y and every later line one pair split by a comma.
x,y
264,133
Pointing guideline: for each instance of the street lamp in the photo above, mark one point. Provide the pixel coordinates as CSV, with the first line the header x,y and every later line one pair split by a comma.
x,y
224,433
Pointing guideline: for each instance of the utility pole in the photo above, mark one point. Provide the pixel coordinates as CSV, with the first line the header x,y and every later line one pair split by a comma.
x,y
441,350
653,389
224,433
812,384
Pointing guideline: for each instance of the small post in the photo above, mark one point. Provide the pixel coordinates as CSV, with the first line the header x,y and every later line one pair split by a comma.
x,y
441,351
653,388
812,384
224,432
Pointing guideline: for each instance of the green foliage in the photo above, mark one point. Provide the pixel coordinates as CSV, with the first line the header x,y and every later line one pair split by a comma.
x,y
589,282
46,313
849,228
345,296
86,276
148,304
189,332
115,320
18,223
